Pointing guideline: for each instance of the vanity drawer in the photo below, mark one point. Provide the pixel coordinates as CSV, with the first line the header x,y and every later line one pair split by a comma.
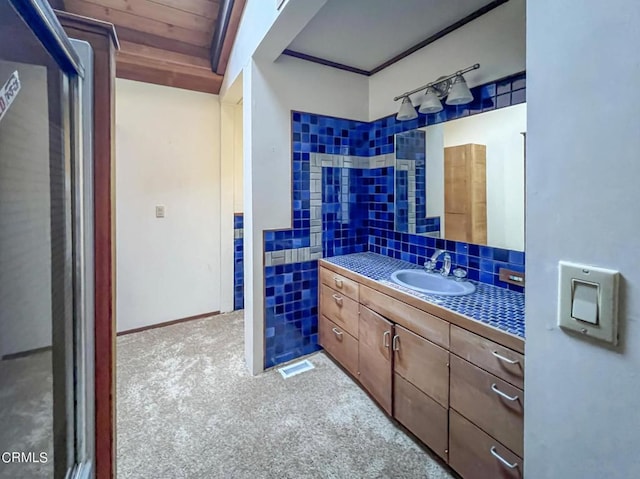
x,y
341,310
339,344
422,323
345,286
472,452
490,356
422,363
421,415
490,403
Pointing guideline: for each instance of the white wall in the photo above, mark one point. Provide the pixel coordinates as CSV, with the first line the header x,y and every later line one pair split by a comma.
x,y
266,31
500,131
25,214
238,179
272,90
231,194
495,40
582,416
167,153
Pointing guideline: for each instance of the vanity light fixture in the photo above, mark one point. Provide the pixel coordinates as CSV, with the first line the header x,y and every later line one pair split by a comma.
x,y
459,93
431,102
453,86
407,110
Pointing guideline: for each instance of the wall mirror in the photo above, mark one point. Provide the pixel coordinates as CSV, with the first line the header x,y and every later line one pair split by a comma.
x,y
463,180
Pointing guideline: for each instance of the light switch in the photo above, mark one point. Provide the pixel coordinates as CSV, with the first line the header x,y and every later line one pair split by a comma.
x,y
585,301
588,301
159,211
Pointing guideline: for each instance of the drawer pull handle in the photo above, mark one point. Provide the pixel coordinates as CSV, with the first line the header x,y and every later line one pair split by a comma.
x,y
337,332
495,389
337,299
385,339
338,282
495,454
396,343
502,358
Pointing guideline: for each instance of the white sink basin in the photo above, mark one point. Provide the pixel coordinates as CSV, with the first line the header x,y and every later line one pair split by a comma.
x,y
431,283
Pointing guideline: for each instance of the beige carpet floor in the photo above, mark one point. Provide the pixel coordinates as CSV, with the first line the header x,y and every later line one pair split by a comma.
x,y
188,408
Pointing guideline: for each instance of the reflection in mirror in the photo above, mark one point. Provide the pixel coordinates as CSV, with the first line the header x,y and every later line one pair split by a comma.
x,y
463,180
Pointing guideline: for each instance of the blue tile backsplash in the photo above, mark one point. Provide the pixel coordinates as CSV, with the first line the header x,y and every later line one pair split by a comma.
x,y
238,262
343,202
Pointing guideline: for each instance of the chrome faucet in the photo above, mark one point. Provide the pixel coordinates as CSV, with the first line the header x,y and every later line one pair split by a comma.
x,y
430,265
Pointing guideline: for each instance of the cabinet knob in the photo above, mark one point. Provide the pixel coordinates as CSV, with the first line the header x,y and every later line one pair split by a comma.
x,y
338,282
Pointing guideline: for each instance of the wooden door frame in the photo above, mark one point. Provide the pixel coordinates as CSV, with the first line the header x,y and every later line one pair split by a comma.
x,y
104,42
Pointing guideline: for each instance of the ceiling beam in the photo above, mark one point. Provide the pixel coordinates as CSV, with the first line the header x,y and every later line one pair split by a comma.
x,y
132,65
222,22
230,35
163,55
163,43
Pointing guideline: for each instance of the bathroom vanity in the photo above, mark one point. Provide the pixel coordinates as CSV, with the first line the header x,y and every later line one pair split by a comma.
x,y
449,369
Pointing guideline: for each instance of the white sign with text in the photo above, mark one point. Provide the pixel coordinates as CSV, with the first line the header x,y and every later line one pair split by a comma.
x,y
8,93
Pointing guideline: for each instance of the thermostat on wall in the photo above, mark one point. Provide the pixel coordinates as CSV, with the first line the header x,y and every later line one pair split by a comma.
x,y
588,301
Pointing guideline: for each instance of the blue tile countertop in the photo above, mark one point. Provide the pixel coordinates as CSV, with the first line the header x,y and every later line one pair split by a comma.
x,y
497,307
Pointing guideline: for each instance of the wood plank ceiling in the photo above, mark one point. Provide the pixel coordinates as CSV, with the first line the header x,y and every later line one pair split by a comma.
x,y
167,42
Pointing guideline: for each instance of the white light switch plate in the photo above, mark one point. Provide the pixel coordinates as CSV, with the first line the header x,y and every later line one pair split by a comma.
x,y
160,211
603,324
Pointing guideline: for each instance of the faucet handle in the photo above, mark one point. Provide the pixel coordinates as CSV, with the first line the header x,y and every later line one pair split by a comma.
x,y
460,274
446,264
429,265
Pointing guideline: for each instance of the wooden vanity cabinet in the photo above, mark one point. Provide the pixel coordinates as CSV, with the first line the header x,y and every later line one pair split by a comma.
x,y
465,193
338,319
458,392
375,357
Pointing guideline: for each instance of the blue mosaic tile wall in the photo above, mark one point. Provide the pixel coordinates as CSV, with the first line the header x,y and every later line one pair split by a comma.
x,y
358,215
411,185
325,134
238,262
291,311
344,212
482,263
432,225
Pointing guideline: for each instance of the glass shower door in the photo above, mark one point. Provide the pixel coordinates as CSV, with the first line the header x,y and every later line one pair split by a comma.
x,y
43,387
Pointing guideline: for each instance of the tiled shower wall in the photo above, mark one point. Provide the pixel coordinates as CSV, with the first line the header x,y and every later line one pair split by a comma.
x,y
343,202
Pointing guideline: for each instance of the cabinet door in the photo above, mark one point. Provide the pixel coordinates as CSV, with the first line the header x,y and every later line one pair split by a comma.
x,y
422,363
375,356
421,415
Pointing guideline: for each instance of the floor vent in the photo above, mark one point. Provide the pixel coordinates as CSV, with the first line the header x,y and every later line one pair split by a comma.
x,y
296,368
